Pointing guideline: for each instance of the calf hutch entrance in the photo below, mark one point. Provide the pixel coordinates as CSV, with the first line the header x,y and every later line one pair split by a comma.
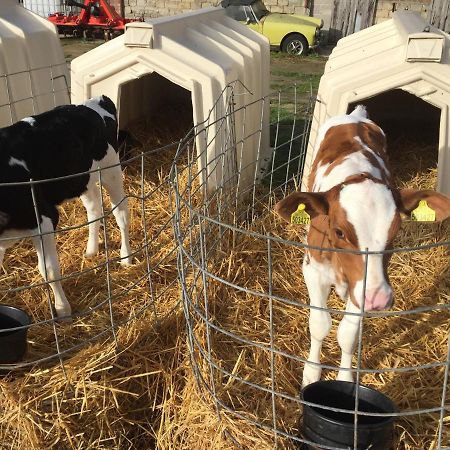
x,y
190,58
399,69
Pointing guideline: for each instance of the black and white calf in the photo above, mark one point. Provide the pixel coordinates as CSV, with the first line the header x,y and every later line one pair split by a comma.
x,y
68,140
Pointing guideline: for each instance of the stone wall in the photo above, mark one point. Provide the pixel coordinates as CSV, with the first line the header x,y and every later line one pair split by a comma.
x,y
317,8
286,6
386,8
157,8
324,10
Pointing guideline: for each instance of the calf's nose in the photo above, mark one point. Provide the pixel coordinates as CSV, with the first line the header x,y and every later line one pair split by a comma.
x,y
379,298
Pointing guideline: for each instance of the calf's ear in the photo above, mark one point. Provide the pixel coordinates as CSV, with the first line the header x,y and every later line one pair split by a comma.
x,y
410,199
315,204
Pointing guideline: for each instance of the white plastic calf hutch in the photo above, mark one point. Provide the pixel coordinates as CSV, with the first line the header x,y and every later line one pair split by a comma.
x,y
33,72
202,54
400,69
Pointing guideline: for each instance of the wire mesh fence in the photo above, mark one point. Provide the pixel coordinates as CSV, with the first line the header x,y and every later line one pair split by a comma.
x,y
28,92
244,299
246,304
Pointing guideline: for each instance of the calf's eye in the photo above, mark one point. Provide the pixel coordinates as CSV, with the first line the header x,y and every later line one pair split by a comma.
x,y
339,233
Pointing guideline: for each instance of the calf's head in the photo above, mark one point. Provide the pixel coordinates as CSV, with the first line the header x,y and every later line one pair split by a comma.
x,y
361,213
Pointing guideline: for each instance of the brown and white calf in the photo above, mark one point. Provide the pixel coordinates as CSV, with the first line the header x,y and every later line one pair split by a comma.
x,y
353,205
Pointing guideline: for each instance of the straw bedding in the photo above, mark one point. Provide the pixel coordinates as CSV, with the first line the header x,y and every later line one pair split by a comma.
x,y
141,393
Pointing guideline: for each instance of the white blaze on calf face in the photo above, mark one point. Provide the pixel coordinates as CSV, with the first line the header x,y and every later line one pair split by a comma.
x,y
370,208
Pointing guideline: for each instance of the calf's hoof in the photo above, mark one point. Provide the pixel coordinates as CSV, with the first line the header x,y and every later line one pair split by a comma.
x,y
311,374
345,375
64,314
90,253
126,261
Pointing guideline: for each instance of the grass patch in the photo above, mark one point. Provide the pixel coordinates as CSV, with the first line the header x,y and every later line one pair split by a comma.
x,y
312,56
305,82
282,114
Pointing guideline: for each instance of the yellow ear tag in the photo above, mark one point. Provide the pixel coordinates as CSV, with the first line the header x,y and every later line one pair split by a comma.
x,y
300,217
423,213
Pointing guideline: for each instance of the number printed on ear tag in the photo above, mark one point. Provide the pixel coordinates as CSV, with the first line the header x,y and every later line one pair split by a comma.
x,y
423,213
300,217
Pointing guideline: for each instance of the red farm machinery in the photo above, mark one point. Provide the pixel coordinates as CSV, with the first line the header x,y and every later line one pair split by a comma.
x,y
95,18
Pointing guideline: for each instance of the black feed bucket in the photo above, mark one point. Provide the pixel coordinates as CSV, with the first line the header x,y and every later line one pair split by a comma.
x,y
13,343
336,429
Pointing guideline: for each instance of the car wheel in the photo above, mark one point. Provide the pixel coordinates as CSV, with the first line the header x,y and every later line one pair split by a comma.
x,y
295,44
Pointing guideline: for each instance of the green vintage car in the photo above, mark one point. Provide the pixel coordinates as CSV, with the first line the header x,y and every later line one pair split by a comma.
x,y
291,33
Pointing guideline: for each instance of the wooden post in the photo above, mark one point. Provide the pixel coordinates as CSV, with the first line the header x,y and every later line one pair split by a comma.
x,y
438,14
119,6
344,15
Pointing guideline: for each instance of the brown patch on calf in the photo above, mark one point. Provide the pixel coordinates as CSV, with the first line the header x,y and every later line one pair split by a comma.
x,y
348,267
318,237
385,176
338,218
321,235
339,142
343,263
373,137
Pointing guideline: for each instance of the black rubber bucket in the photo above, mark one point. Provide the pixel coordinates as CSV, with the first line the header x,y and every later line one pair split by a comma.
x,y
336,429
13,343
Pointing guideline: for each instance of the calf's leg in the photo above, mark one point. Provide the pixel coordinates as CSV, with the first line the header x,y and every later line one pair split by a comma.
x,y
318,278
48,264
92,202
113,182
346,335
